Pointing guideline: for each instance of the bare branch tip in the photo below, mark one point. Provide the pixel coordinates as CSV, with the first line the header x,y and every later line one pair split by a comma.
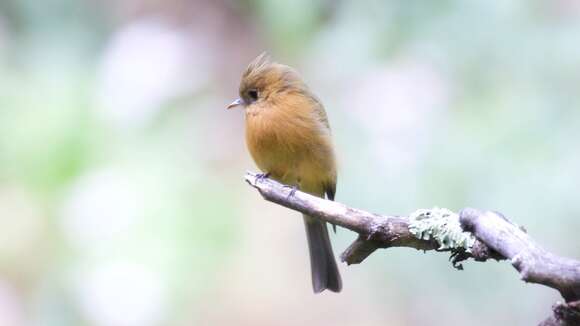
x,y
251,178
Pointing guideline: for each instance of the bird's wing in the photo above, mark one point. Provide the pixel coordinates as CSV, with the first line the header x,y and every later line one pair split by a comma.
x,y
319,112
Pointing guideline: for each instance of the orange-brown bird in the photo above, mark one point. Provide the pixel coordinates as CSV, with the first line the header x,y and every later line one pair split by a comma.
x,y
288,136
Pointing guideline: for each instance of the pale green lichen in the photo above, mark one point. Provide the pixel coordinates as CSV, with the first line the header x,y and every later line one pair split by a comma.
x,y
442,225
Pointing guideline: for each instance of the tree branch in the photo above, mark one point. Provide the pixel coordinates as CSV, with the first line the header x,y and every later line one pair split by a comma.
x,y
496,237
535,264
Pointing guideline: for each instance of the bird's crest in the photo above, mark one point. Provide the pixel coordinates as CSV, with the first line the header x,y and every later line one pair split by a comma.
x,y
258,64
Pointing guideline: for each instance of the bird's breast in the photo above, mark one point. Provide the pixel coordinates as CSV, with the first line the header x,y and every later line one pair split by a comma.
x,y
289,145
270,144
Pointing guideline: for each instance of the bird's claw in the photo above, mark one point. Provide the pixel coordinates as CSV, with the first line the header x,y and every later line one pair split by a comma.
x,y
261,176
292,191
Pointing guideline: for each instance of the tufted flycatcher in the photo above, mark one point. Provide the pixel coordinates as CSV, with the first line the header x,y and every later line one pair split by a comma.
x,y
288,136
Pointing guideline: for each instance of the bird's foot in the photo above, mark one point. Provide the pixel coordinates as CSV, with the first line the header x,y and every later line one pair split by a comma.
x,y
262,176
292,191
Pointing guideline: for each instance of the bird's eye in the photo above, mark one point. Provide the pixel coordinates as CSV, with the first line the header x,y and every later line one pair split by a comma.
x,y
253,94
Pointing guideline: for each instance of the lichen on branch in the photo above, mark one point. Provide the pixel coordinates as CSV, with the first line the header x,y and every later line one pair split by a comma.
x,y
442,225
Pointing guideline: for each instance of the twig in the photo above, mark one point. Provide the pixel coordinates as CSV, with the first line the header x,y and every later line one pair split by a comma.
x,y
496,238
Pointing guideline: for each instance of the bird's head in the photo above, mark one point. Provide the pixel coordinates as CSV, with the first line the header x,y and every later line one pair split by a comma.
x,y
264,81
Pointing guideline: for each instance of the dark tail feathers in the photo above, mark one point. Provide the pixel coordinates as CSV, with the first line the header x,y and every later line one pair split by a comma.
x,y
325,273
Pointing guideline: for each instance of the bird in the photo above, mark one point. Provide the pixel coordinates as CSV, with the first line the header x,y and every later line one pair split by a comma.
x,y
288,135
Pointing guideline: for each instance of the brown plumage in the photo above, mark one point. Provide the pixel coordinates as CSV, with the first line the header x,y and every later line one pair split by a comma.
x,y
288,136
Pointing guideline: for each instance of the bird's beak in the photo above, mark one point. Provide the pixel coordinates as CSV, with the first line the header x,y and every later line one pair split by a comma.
x,y
235,103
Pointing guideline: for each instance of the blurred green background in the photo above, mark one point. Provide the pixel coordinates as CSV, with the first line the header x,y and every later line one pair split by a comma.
x,y
121,194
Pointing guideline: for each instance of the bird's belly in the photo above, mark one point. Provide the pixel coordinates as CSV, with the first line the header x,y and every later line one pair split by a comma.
x,y
301,169
274,159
